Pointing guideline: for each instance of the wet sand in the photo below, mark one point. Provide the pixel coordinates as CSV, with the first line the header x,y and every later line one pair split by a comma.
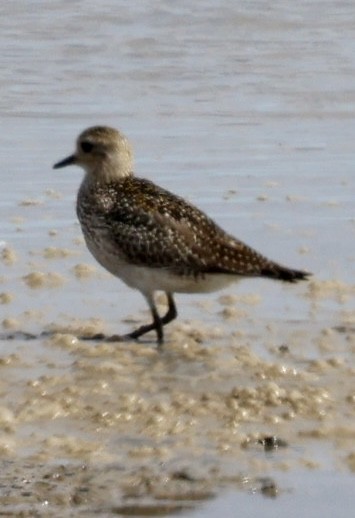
x,y
251,403
233,401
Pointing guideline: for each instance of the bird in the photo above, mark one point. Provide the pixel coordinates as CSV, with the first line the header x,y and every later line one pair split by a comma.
x,y
152,239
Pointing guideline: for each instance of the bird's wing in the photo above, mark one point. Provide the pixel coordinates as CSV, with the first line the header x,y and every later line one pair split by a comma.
x,y
159,229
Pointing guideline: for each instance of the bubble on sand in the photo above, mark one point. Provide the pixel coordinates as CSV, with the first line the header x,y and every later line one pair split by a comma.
x,y
7,446
78,328
44,407
252,299
227,300
7,419
8,256
65,340
6,298
149,451
304,250
83,271
53,252
54,195
230,313
35,280
247,299
30,202
10,323
18,220
350,460
332,289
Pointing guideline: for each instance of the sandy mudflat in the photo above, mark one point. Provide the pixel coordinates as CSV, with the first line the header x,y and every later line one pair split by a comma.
x,y
121,428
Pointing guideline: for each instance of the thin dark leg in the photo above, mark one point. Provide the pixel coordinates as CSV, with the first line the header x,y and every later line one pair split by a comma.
x,y
158,322
171,314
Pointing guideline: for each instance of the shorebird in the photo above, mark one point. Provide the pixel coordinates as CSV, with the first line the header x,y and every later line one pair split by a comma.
x,y
152,239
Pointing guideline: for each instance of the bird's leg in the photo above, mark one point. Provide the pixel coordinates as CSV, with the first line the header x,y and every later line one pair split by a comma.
x,y
158,322
171,314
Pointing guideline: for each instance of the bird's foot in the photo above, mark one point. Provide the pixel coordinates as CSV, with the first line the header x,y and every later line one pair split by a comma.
x,y
118,338
101,337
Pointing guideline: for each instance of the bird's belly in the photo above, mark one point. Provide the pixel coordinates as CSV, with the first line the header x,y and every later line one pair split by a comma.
x,y
164,280
147,279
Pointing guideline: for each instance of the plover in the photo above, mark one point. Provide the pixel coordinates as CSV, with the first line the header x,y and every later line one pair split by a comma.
x,y
152,239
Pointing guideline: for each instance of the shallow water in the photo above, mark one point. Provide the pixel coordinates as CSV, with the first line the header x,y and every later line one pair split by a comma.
x,y
247,109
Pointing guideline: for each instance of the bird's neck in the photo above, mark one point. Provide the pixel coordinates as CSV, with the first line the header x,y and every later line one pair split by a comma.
x,y
108,173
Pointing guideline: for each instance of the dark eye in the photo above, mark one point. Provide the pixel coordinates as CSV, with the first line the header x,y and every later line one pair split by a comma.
x,y
86,146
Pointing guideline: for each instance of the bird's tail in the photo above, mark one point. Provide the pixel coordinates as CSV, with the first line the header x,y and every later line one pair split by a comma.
x,y
276,271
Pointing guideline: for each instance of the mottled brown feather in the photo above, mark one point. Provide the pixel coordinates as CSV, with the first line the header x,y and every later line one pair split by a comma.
x,y
152,227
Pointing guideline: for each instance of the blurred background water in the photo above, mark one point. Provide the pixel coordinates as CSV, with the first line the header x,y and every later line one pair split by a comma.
x,y
230,104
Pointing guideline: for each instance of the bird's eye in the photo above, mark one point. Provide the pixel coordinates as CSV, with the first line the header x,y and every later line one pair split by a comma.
x,y
86,146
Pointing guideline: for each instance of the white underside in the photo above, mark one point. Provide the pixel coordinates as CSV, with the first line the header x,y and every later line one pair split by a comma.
x,y
147,280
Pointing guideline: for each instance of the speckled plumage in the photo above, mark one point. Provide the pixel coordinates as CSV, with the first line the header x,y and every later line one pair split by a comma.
x,y
151,238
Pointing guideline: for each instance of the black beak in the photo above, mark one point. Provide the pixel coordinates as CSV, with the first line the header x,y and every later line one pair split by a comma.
x,y
70,160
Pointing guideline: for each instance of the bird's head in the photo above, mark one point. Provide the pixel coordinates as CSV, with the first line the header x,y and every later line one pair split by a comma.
x,y
104,153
